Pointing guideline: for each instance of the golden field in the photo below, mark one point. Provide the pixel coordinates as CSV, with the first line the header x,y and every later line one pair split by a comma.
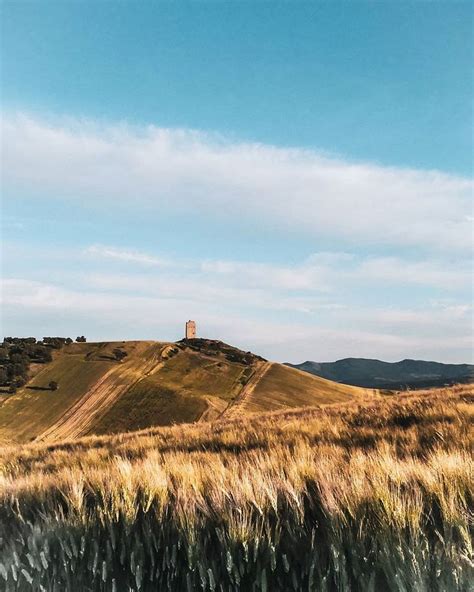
x,y
367,495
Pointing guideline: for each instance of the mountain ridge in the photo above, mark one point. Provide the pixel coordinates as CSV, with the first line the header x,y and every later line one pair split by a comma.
x,y
374,373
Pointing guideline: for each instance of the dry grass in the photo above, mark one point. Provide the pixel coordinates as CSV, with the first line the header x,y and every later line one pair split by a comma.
x,y
282,387
156,384
78,368
362,496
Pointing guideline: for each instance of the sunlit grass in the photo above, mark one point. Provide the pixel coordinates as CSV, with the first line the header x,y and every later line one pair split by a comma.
x,y
374,496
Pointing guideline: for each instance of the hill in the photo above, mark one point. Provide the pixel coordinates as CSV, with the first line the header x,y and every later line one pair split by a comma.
x,y
153,384
359,496
386,375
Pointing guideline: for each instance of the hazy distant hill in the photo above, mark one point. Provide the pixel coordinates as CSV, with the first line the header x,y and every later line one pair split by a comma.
x,y
387,375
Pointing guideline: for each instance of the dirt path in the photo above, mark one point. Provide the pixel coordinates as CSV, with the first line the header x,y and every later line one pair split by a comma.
x,y
234,409
215,408
78,419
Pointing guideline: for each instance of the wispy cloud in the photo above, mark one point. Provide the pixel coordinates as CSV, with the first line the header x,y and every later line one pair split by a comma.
x,y
125,255
289,189
12,223
286,312
320,306
362,332
325,272
321,272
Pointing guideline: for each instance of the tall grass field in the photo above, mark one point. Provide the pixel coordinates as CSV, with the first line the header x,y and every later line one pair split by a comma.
x,y
363,496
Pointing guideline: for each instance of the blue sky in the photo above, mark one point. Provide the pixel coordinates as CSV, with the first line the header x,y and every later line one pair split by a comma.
x,y
296,176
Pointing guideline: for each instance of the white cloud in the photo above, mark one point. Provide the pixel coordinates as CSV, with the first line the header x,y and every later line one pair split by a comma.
x,y
281,277
307,309
125,255
443,274
12,223
292,190
324,272
96,306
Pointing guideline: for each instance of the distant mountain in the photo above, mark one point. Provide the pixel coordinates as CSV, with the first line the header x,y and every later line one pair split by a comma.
x,y
387,375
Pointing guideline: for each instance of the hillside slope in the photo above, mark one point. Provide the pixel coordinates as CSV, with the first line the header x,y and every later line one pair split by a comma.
x,y
196,381
78,369
155,384
387,375
281,387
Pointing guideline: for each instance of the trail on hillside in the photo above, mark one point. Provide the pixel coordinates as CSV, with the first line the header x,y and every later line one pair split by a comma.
x,y
79,418
237,406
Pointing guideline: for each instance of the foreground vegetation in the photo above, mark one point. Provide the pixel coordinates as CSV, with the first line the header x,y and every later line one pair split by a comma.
x,y
361,496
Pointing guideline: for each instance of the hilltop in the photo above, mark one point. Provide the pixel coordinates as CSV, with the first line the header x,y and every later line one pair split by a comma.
x,y
113,387
387,375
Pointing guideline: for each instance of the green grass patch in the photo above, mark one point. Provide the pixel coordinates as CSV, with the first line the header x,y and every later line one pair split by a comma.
x,y
177,393
284,387
194,375
34,408
149,404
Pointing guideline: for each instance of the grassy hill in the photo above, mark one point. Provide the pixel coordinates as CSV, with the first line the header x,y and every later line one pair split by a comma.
x,y
155,384
188,385
35,407
283,387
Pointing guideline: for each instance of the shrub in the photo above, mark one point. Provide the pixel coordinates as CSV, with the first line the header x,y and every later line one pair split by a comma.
x,y
119,354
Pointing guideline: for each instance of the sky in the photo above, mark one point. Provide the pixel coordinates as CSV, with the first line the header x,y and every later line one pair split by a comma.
x,y
296,177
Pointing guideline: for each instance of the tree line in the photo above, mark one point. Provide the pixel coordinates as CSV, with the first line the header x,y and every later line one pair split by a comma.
x,y
17,353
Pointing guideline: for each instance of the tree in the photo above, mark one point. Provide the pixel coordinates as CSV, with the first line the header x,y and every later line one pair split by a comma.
x,y
17,353
41,354
81,339
18,365
68,341
119,354
54,342
4,356
53,385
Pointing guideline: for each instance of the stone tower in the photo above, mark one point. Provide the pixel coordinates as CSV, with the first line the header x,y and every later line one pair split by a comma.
x,y
190,332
